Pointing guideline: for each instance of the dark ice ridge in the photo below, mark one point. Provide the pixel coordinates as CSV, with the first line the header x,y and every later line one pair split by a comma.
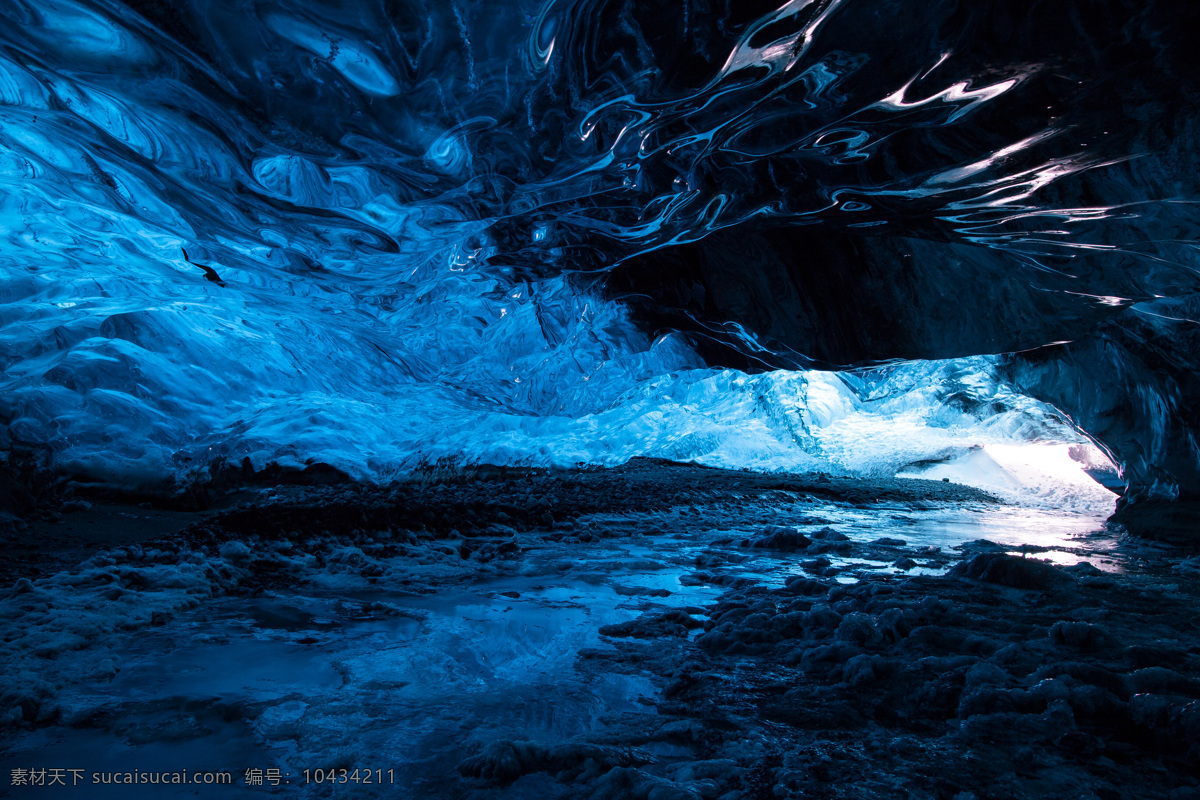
x,y
654,631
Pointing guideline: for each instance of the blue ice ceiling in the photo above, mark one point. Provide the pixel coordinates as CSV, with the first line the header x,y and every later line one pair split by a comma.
x,y
382,233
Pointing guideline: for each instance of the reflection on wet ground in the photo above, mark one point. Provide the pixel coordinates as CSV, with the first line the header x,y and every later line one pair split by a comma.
x,y
338,672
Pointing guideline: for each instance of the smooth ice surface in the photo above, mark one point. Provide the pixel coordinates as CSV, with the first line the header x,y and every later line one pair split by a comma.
x,y
378,239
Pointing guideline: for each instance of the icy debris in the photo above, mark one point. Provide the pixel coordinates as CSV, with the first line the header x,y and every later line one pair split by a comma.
x,y
676,622
137,586
778,538
1188,566
1079,635
1043,680
1014,571
825,540
121,590
889,541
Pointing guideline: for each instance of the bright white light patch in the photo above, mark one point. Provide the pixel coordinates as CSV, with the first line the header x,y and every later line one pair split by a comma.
x,y
1037,474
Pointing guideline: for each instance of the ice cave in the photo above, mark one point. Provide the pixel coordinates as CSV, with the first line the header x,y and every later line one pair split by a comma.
x,y
600,399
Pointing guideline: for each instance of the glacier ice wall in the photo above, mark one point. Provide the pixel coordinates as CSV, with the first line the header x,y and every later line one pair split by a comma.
x,y
376,233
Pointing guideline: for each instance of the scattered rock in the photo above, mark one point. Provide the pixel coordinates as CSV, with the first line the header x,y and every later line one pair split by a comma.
x,y
1012,571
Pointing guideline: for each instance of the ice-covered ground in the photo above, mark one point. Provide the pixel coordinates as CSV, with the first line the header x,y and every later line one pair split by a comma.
x,y
415,648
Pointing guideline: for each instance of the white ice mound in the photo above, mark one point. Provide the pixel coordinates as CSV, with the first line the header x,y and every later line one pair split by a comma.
x,y
1032,473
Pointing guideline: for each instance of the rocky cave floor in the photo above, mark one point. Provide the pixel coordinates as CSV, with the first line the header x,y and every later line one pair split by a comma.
x,y
654,631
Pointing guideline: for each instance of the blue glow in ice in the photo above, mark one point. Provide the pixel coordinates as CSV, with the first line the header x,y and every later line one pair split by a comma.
x,y
375,234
